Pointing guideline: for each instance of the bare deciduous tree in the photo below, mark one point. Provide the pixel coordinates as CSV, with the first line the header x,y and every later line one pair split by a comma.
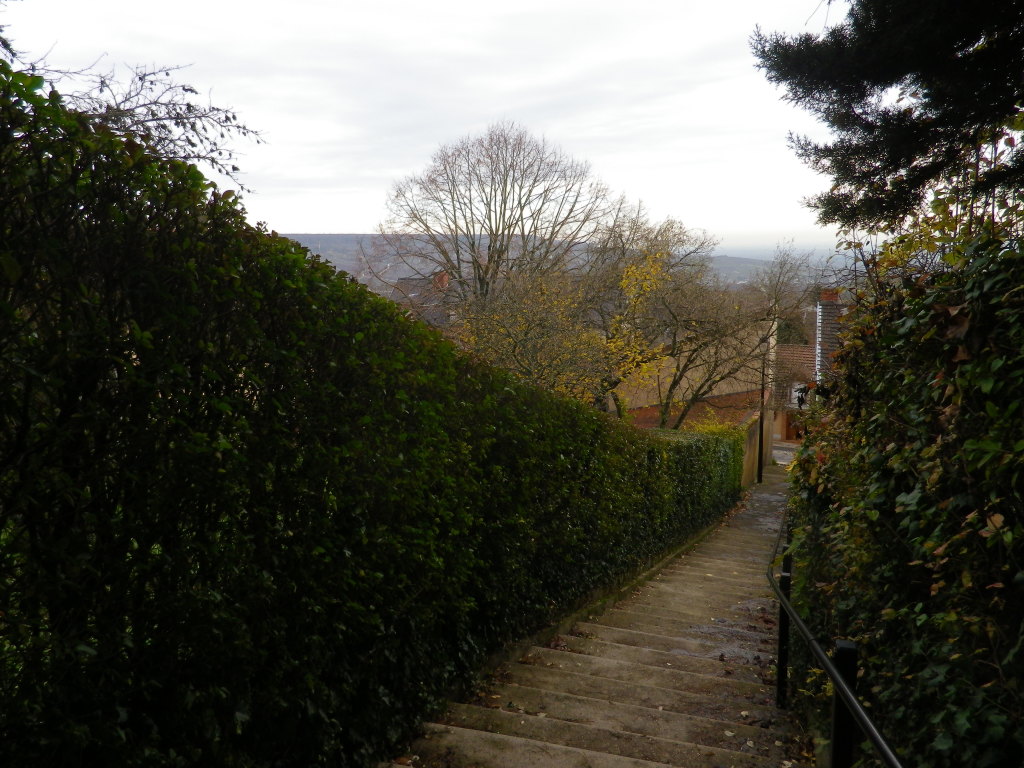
x,y
491,207
515,247
715,333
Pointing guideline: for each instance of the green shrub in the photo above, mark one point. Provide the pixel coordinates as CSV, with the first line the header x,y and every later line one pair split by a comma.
x,y
250,515
909,499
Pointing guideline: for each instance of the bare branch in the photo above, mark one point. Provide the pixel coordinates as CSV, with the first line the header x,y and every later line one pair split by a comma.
x,y
154,108
491,206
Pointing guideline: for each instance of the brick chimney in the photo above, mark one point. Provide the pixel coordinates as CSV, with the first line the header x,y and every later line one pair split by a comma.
x,y
827,331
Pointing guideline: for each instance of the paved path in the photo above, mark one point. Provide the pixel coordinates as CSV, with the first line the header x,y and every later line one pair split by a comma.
x,y
678,673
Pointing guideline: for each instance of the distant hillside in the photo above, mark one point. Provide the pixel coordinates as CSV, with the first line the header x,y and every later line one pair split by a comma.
x,y
345,251
738,269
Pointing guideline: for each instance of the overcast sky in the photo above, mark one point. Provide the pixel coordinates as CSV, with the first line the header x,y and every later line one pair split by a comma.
x,y
661,97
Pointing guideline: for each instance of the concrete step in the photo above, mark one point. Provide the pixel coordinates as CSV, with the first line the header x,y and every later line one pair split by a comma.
x,y
695,591
700,639
660,723
746,573
700,596
677,645
738,531
700,646
717,574
750,555
759,712
738,616
611,741
446,746
727,564
651,639
688,595
758,611
646,674
712,667
736,536
751,608
683,624
755,570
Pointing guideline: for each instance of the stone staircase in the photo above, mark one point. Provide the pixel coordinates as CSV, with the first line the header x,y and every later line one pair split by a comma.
x,y
678,673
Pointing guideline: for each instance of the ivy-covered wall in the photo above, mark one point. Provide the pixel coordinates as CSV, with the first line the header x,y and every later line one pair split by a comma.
x,y
909,500
250,515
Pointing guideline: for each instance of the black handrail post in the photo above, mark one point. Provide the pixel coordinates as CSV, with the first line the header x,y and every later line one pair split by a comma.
x,y
843,682
782,658
844,725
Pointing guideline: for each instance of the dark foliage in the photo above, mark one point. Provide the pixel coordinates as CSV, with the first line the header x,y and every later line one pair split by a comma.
x,y
250,515
910,493
956,67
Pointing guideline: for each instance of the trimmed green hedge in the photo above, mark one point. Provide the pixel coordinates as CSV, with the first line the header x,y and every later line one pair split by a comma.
x,y
250,515
909,500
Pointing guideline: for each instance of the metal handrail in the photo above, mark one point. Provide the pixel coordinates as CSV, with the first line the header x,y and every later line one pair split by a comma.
x,y
840,686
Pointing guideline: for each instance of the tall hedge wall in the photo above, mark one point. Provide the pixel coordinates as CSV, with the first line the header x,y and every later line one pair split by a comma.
x,y
249,514
910,492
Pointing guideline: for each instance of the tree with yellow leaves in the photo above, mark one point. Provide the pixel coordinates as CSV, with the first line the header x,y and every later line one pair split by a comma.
x,y
634,269
538,329
584,329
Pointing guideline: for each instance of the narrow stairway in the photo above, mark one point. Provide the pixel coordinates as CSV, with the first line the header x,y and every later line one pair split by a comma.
x,y
679,673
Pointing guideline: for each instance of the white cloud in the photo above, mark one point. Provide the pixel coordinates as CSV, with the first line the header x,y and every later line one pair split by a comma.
x,y
660,96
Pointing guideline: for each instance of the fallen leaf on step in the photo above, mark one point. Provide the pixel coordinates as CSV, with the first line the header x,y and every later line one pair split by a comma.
x,y
730,733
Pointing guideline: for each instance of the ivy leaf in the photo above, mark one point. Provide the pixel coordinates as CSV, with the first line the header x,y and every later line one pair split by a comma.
x,y
943,742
